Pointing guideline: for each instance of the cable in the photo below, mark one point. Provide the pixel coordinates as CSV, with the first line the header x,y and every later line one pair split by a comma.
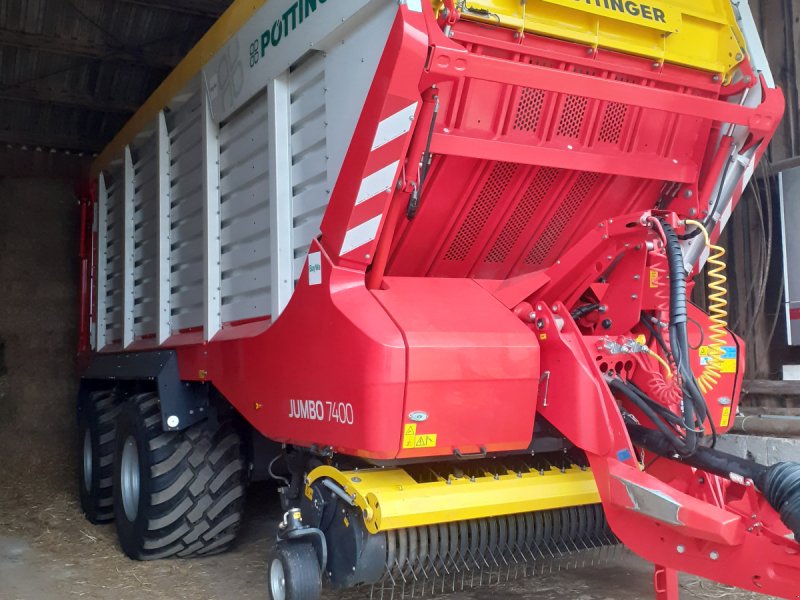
x,y
271,474
661,360
717,310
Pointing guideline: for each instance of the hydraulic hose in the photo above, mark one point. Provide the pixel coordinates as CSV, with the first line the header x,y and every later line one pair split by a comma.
x,y
779,483
694,406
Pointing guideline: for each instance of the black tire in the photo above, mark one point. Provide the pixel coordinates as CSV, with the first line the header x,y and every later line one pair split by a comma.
x,y
296,568
97,420
190,484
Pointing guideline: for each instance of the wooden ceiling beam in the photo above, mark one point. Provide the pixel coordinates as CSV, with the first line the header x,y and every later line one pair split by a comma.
x,y
146,58
70,98
210,9
31,140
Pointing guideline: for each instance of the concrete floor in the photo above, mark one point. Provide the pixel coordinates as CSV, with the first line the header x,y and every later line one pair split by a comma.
x,y
49,552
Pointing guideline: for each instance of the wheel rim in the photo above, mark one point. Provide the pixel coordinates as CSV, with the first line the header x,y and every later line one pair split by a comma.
x,y
277,580
87,460
129,476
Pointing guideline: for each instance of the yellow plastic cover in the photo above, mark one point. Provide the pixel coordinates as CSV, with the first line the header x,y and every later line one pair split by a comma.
x,y
702,34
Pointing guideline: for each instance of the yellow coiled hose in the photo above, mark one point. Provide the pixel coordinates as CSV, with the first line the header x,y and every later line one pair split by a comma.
x,y
717,310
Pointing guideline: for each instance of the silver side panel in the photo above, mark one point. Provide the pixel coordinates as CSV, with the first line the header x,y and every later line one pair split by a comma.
x,y
185,128
244,212
114,265
144,258
206,219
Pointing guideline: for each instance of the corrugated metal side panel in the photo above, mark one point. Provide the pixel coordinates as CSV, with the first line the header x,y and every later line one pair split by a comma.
x,y
114,259
186,214
310,193
145,239
244,213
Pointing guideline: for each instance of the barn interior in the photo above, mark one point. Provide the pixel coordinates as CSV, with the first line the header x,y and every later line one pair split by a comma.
x,y
72,72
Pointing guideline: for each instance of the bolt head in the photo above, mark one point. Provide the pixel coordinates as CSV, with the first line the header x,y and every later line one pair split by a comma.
x,y
173,421
681,549
713,555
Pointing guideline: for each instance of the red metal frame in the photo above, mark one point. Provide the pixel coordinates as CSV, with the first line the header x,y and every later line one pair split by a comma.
x,y
546,162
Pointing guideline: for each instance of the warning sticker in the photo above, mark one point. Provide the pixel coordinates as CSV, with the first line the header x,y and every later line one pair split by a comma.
x,y
727,360
726,416
653,278
412,440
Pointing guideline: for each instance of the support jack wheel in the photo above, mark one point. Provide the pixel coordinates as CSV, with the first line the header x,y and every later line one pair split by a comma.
x,y
294,572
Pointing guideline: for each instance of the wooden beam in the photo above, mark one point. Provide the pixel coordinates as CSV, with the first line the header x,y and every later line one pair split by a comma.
x,y
767,387
24,137
71,98
210,9
146,57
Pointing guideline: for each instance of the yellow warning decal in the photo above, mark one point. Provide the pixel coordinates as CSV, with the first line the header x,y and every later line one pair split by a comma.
x,y
726,416
412,440
726,360
653,278
652,14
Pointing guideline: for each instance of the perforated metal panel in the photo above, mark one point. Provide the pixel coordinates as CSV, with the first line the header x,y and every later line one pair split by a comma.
x,y
114,282
244,213
529,109
493,189
572,116
523,213
309,154
145,238
613,122
563,216
186,214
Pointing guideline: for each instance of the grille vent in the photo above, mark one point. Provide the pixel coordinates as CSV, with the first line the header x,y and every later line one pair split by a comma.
x,y
522,215
563,215
483,207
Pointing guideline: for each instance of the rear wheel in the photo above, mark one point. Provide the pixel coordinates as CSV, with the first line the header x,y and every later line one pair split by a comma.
x,y
97,418
294,572
175,493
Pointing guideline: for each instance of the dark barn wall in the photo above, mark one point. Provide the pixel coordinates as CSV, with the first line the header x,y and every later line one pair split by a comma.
x,y
38,316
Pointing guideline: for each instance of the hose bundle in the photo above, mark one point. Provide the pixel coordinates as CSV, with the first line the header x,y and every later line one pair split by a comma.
x,y
683,431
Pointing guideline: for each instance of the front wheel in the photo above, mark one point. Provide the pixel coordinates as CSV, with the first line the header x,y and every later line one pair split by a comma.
x,y
294,572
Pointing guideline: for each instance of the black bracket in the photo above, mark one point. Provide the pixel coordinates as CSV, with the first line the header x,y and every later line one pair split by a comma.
x,y
183,403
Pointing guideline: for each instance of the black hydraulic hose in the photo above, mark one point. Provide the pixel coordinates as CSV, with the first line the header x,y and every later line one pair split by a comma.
x,y
656,334
707,459
677,277
676,444
779,483
584,310
695,409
